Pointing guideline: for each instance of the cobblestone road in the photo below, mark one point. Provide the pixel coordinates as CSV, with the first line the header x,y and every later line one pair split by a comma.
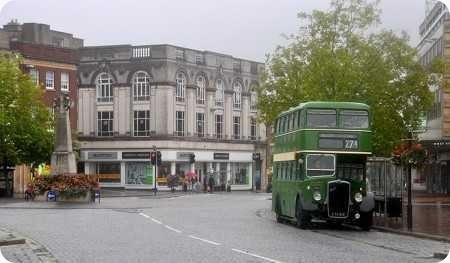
x,y
237,227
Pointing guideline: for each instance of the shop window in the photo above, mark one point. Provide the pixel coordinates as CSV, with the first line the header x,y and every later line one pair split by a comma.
x,y
139,173
239,173
108,172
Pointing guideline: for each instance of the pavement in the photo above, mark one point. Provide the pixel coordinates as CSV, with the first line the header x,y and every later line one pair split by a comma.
x,y
431,217
16,248
220,227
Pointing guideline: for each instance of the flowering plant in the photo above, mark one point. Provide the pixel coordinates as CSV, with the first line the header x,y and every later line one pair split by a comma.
x,y
410,153
68,186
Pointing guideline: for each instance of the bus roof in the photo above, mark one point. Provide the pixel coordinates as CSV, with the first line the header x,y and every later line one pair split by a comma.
x,y
327,105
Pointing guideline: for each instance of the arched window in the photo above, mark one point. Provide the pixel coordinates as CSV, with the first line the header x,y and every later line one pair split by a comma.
x,y
219,93
237,90
201,86
104,88
141,86
181,86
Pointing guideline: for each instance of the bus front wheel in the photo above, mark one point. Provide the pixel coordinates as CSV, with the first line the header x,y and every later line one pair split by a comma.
x,y
366,220
278,210
303,218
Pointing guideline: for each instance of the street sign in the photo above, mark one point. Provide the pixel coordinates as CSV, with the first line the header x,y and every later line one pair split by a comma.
x,y
51,196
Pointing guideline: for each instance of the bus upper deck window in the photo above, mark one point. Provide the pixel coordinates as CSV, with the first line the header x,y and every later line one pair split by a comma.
x,y
321,119
354,119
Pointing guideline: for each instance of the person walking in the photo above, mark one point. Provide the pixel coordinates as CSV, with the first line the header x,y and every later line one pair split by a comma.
x,y
211,182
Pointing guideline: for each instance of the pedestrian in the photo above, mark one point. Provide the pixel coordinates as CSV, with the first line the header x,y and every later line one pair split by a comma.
x,y
205,184
211,182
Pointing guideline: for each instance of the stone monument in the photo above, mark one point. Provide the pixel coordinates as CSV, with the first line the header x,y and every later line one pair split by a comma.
x,y
63,158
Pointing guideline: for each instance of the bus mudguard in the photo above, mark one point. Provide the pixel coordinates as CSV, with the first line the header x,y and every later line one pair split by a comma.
x,y
368,203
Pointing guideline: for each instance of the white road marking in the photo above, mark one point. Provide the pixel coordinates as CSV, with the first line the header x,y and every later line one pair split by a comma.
x,y
173,229
256,256
156,221
144,215
205,240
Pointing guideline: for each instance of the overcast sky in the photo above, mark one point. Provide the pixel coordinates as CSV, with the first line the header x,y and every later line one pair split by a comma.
x,y
242,28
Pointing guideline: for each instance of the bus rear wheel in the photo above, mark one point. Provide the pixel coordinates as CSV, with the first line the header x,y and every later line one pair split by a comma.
x,y
303,218
366,220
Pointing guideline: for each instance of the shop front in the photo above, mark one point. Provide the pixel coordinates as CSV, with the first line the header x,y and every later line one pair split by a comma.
x,y
130,169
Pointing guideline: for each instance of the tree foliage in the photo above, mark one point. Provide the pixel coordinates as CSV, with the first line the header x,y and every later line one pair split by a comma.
x,y
338,55
26,135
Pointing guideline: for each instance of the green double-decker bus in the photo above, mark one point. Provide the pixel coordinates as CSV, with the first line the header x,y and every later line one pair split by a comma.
x,y
319,169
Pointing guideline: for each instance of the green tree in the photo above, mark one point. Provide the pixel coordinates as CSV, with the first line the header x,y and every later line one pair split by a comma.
x,y
338,55
26,134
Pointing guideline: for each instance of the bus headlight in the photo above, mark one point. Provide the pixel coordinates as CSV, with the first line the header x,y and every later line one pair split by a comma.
x,y
358,197
317,196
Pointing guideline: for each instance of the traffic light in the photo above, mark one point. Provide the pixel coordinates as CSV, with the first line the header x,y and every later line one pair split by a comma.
x,y
158,158
153,158
192,158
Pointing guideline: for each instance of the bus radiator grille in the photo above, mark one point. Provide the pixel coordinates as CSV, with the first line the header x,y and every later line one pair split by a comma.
x,y
338,199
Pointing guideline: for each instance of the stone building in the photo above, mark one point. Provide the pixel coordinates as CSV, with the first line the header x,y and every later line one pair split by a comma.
x,y
434,44
182,102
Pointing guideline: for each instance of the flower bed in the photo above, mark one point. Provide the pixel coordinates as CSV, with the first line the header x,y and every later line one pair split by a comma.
x,y
68,186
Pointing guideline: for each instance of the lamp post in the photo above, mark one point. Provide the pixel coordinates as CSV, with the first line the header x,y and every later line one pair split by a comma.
x,y
409,186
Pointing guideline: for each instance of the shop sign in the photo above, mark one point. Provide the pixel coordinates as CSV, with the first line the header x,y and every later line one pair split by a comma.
x,y
102,155
136,155
184,155
221,156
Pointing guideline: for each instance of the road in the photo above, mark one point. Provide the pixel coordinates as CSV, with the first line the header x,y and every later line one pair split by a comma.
x,y
236,227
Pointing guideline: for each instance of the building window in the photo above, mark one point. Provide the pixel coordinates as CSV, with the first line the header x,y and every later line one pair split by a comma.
x,y
201,86
104,88
142,123
253,101
50,80
65,81
141,86
237,90
252,128
180,54
199,59
105,123
236,127
200,124
237,67
179,123
219,93
219,126
34,75
181,87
